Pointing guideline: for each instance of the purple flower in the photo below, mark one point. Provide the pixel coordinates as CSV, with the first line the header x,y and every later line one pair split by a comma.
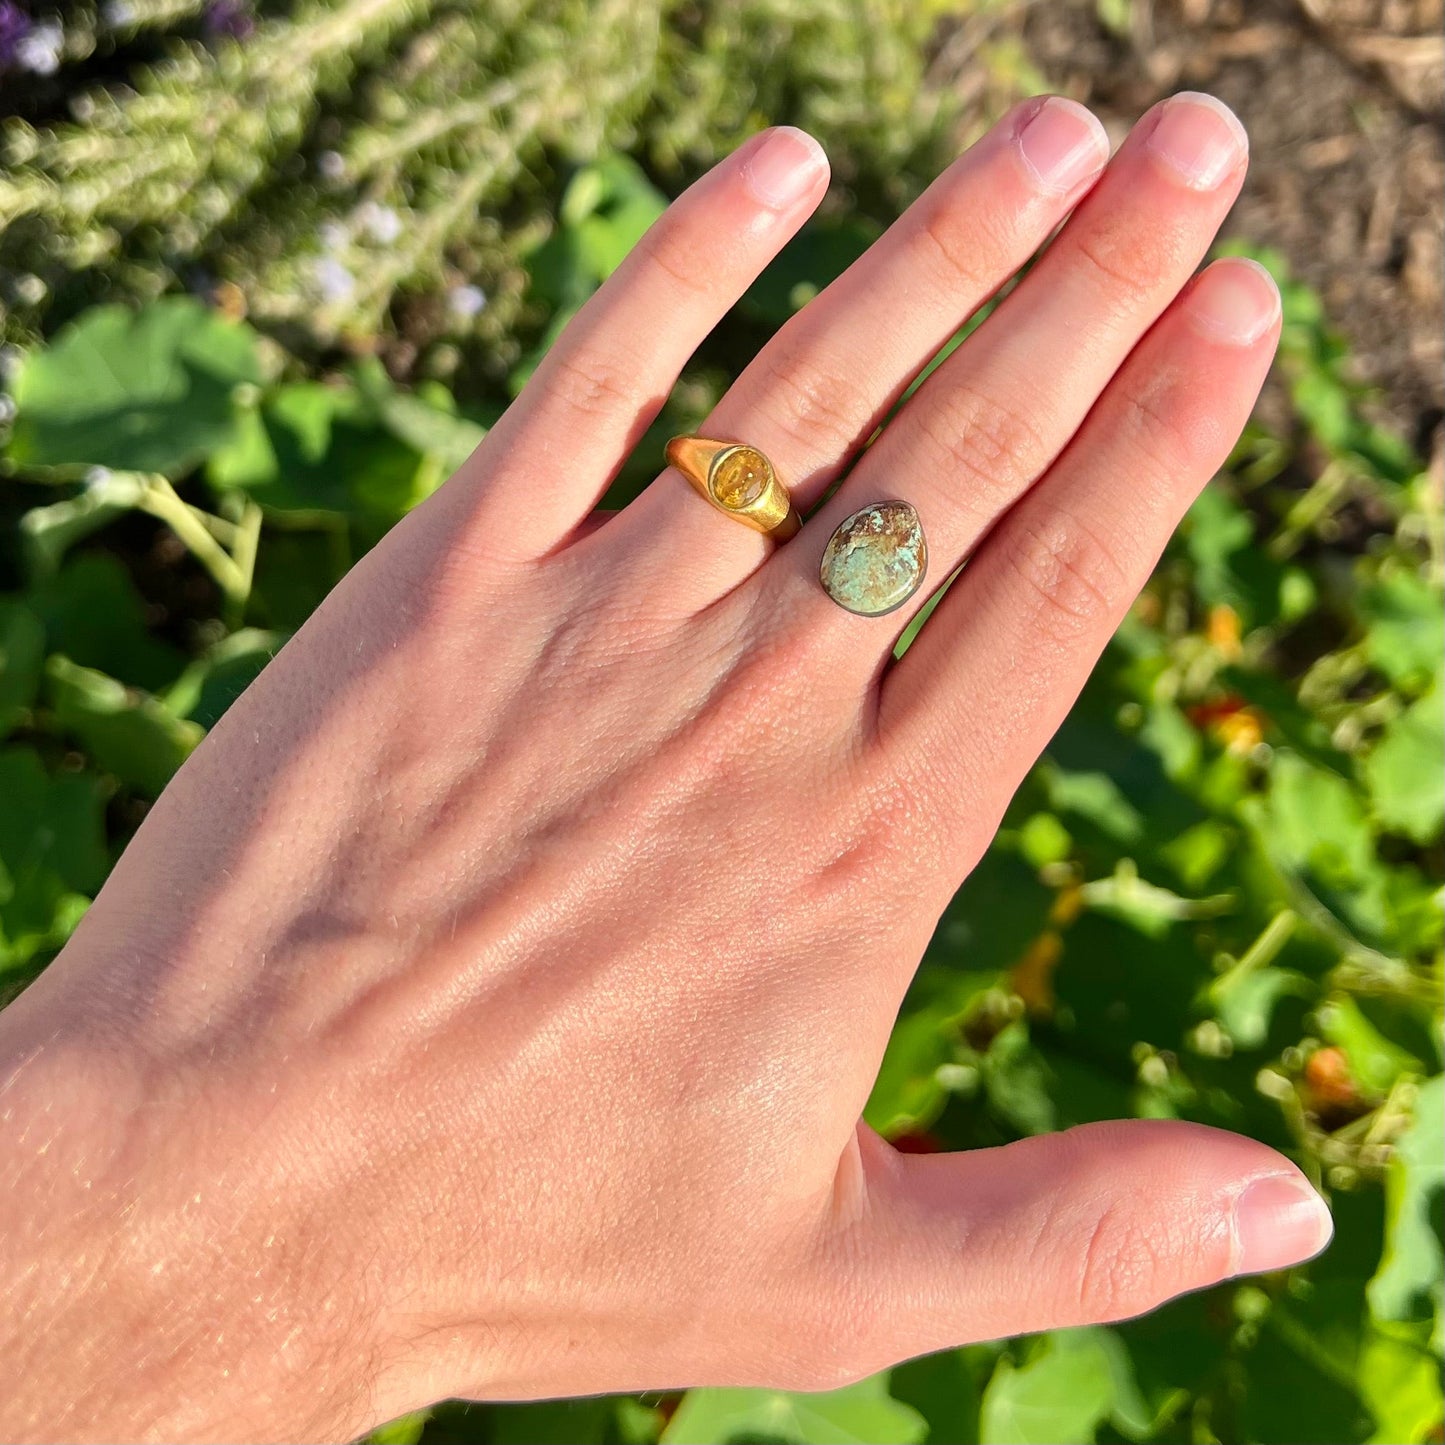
x,y
15,25
231,18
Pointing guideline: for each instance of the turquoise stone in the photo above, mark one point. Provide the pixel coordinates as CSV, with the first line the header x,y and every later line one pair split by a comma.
x,y
876,559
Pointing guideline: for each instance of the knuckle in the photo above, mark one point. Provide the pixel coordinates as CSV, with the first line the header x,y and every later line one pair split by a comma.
x,y
1120,1269
1126,262
1073,573
991,444
868,832
667,248
451,596
1110,257
948,247
915,804
1167,432
1127,258
814,404
746,685
775,671
595,383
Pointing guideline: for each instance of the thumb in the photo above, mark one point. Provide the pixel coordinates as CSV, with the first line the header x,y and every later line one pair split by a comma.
x,y
1097,1223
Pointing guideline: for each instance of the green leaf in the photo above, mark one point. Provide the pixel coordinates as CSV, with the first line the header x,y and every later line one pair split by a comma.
x,y
1375,1061
605,210
947,1390
1198,853
1095,796
1315,815
128,733
248,457
1217,535
1043,840
1171,1353
1326,406
989,922
405,1430
1176,741
1130,1414
861,1414
907,1093
553,1422
147,391
1314,825
295,569
1410,1283
210,685
1414,905
1120,987
1400,1382
1214,529
1071,1382
637,1422
1297,1388
1406,770
52,853
1017,1081
427,429
22,651
609,205
820,253
1404,629
317,447
94,615
1244,1001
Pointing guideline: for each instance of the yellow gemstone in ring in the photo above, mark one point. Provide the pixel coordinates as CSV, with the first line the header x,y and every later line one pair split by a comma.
x,y
739,478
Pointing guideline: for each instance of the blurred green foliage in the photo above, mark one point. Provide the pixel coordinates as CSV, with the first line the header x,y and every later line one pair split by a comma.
x,y
354,164
1217,896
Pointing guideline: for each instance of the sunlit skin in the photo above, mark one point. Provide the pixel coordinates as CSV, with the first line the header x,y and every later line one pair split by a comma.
x,y
488,1006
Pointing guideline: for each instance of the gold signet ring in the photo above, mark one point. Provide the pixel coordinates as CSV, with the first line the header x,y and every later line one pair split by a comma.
x,y
739,481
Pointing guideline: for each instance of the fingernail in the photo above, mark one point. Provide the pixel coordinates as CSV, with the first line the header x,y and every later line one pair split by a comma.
x,y
783,166
1278,1221
1063,144
1235,301
1199,138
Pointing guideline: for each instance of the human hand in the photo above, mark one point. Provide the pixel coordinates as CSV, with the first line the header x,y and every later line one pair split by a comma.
x,y
489,1005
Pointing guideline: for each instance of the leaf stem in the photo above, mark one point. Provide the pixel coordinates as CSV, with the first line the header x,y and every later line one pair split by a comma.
x,y
161,501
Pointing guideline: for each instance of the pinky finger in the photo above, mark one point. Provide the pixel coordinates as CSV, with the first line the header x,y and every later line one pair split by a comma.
x,y
994,673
